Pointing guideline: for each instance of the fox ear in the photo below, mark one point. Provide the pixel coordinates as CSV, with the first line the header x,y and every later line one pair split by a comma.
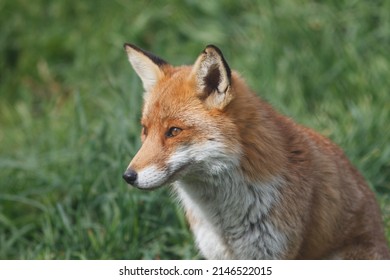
x,y
213,78
146,65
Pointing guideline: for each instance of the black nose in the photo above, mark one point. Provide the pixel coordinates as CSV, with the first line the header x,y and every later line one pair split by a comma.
x,y
130,176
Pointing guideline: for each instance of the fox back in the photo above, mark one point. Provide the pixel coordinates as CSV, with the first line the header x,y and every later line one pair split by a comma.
x,y
253,183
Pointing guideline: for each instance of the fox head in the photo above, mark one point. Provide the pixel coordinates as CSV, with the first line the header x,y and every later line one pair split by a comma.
x,y
186,129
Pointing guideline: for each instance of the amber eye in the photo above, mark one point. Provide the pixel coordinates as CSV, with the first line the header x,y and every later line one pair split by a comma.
x,y
173,131
144,130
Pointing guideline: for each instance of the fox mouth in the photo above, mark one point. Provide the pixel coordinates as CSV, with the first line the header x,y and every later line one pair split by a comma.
x,y
152,178
179,172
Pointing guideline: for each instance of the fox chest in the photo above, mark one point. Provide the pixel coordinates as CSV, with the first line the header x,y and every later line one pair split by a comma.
x,y
232,230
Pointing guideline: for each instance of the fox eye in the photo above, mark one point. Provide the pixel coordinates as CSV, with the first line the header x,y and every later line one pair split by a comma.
x,y
144,130
173,131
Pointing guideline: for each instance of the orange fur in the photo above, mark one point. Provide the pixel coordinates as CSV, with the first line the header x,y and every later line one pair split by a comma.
x,y
324,206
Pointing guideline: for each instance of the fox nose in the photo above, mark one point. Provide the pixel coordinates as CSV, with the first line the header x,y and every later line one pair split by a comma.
x,y
130,176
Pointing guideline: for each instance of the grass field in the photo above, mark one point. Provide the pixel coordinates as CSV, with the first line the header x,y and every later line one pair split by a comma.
x,y
70,106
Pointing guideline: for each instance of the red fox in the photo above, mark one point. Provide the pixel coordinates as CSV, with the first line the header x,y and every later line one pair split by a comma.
x,y
253,183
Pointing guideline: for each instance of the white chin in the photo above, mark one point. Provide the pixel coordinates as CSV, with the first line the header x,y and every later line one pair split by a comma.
x,y
151,178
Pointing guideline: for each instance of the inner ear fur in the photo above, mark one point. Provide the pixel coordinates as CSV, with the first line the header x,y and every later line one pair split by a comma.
x,y
148,66
213,77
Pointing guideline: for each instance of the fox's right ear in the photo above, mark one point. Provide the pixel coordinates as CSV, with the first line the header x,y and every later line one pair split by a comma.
x,y
146,65
213,78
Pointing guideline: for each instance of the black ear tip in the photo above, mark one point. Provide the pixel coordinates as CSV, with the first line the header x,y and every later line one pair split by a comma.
x,y
131,46
214,48
151,56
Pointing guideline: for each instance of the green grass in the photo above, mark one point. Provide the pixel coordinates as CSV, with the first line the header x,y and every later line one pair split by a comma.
x,y
70,106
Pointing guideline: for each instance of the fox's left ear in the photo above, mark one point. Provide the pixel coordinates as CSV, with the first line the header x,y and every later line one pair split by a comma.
x,y
148,66
213,78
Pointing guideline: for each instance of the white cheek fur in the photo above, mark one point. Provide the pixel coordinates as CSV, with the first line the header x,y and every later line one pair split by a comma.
x,y
209,158
151,177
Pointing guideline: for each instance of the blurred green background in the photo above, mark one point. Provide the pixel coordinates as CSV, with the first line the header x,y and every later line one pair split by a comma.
x,y
70,107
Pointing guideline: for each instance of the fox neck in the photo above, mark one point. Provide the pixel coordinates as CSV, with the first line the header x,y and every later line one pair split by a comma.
x,y
226,210
262,140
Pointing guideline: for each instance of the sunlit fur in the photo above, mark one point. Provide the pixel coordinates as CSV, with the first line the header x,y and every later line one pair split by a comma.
x,y
253,183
